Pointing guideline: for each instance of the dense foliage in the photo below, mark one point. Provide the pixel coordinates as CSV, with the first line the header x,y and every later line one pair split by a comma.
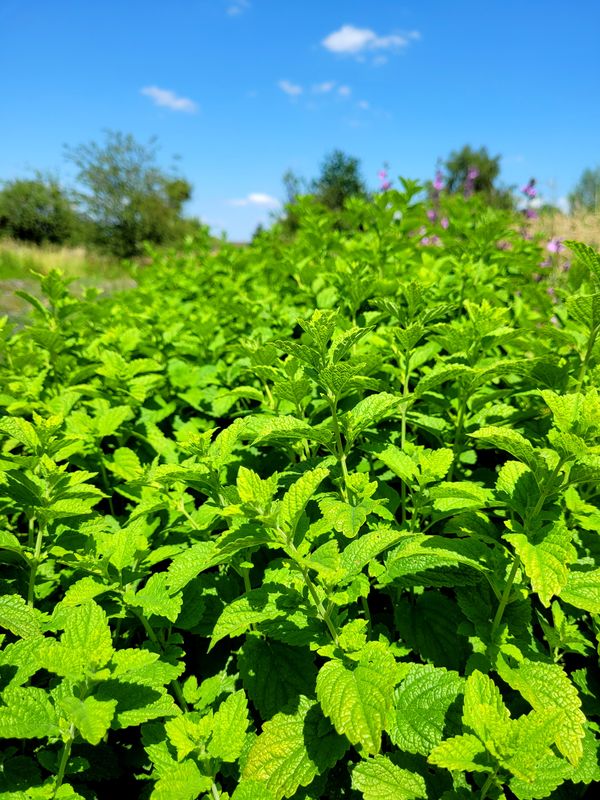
x,y
308,519
37,211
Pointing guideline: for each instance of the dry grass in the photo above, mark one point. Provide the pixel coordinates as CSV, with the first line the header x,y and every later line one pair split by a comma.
x,y
18,259
581,226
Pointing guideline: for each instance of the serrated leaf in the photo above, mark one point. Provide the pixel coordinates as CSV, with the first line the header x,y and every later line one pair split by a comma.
x,y
367,412
357,696
136,703
512,442
155,598
85,645
460,753
297,496
582,590
421,704
344,517
292,749
361,552
18,617
27,714
275,674
546,556
21,431
182,781
253,489
587,255
188,565
252,790
380,779
257,605
229,726
484,711
91,717
458,496
547,686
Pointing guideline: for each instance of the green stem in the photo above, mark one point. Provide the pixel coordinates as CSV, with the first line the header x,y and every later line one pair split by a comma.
x,y
99,456
175,685
184,513
586,358
505,596
341,455
64,760
403,427
35,562
215,791
487,785
321,610
460,424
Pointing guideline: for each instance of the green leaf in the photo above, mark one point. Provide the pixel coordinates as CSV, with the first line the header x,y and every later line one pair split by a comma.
x,y
252,489
27,714
292,749
252,790
182,781
257,605
379,779
357,697
459,496
545,557
484,711
587,255
85,646
274,674
156,599
17,617
343,517
188,565
582,590
367,412
421,705
547,686
460,753
297,496
512,442
361,552
230,723
21,430
400,463
91,717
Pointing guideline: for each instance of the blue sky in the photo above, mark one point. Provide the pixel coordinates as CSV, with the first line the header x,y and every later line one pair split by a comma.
x,y
241,90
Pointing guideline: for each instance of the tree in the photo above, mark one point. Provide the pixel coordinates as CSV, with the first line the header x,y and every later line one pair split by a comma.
x,y
128,198
586,194
340,179
36,211
472,171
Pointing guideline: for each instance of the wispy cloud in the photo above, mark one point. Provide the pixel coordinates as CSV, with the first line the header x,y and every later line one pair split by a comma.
x,y
238,7
344,91
168,99
323,88
292,89
363,105
256,199
351,41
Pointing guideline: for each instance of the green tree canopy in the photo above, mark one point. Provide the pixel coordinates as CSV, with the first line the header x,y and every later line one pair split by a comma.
x,y
339,179
36,211
127,196
476,171
586,194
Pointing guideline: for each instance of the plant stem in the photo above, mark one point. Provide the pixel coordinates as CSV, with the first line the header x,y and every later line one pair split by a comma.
x,y
99,456
175,685
341,455
460,424
403,427
64,760
35,562
505,596
486,786
215,791
321,610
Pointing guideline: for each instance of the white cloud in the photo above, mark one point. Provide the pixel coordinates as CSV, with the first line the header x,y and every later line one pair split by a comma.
x,y
349,40
168,99
238,7
323,88
344,91
290,88
363,105
256,199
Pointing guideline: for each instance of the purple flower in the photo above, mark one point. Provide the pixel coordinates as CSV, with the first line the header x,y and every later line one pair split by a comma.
x,y
554,320
551,292
438,183
536,277
425,241
472,173
529,189
555,245
431,215
382,174
444,222
503,244
530,213
546,263
385,186
566,266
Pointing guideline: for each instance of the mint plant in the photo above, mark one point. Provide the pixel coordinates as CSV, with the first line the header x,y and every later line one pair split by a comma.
x,y
314,518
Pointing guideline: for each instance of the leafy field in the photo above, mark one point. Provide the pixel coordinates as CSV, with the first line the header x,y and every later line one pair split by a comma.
x,y
313,518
